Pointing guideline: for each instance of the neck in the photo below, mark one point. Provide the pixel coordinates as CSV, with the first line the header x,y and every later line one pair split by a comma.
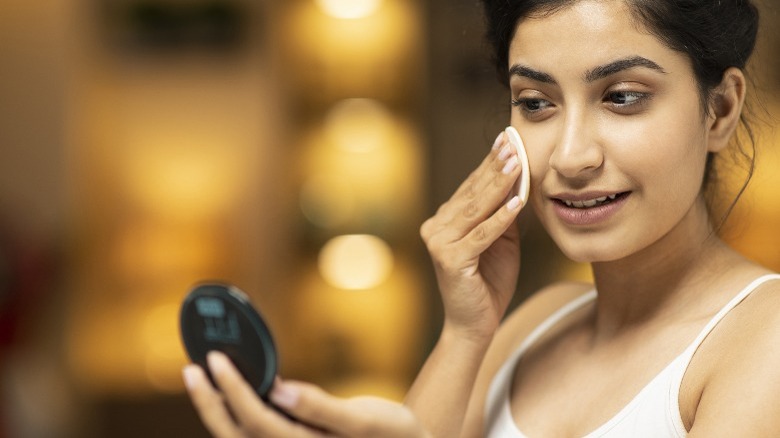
x,y
661,280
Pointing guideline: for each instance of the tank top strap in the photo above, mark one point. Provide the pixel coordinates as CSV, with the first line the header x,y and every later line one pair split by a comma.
x,y
680,365
498,416
744,293
554,319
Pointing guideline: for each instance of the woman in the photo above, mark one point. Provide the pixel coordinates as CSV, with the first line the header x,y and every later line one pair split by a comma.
x,y
622,105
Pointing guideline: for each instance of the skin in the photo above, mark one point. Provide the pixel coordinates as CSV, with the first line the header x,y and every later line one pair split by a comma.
x,y
236,411
638,130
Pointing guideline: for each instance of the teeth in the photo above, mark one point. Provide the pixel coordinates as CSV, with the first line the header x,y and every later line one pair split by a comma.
x,y
590,202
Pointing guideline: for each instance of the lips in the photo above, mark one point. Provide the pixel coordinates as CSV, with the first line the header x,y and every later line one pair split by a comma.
x,y
588,209
573,202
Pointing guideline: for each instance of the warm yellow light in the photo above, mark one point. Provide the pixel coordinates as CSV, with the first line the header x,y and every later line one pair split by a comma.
x,y
359,125
380,328
349,9
182,180
149,251
752,225
163,349
328,200
357,261
371,184
160,331
379,55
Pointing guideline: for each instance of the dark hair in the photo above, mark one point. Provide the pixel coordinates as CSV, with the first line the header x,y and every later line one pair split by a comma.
x,y
714,34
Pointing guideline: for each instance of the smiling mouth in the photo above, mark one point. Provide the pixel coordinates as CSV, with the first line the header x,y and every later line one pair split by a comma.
x,y
590,203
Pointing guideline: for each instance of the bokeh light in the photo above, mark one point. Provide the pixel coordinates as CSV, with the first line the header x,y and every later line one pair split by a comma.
x,y
358,261
349,9
358,125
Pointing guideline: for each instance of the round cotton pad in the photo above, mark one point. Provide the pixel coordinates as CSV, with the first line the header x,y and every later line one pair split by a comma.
x,y
523,185
220,317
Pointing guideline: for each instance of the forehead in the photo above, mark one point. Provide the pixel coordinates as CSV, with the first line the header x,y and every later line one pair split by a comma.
x,y
584,34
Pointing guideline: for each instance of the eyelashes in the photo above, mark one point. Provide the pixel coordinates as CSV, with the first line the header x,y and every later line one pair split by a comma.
x,y
531,104
627,98
620,102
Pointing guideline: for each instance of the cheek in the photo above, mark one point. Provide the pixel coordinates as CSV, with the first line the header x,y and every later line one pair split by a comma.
x,y
667,150
540,144
539,141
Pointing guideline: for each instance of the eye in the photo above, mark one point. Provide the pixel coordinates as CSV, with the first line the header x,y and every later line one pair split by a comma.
x,y
532,107
625,98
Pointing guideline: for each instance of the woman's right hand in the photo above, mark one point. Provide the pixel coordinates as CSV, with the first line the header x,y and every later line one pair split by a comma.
x,y
475,247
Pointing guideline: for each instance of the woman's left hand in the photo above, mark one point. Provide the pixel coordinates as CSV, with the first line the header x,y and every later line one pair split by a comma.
x,y
237,411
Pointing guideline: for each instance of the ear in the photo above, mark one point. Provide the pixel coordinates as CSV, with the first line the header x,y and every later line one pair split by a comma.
x,y
725,109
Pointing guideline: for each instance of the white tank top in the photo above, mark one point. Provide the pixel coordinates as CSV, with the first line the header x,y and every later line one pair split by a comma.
x,y
653,413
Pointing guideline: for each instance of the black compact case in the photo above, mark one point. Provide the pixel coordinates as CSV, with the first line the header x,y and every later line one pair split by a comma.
x,y
216,316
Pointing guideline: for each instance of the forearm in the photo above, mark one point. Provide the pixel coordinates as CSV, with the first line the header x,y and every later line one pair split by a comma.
x,y
440,395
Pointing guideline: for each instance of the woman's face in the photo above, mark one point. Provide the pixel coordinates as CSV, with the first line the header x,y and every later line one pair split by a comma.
x,y
614,129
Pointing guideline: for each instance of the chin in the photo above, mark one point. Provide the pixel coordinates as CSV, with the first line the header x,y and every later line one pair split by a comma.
x,y
594,249
589,256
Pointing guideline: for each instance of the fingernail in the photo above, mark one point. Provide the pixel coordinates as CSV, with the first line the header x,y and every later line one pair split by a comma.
x,y
506,151
513,203
284,396
510,165
190,375
498,141
217,361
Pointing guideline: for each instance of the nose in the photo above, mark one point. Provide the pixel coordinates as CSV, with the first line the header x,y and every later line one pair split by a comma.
x,y
577,153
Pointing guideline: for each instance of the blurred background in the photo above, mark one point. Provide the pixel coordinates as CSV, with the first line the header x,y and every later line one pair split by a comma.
x,y
291,148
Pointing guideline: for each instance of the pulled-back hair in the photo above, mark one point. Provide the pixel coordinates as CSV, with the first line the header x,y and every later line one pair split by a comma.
x,y
715,35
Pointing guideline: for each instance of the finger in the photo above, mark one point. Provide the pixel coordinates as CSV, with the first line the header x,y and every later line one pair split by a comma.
x,y
497,150
480,195
314,406
209,404
467,215
482,177
490,230
253,416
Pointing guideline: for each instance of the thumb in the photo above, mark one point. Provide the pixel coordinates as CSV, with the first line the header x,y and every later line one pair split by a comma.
x,y
313,406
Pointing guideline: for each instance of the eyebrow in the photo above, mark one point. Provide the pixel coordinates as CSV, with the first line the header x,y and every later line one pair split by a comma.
x,y
613,67
528,72
592,75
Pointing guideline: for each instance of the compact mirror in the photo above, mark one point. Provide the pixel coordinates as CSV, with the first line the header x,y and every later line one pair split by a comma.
x,y
217,316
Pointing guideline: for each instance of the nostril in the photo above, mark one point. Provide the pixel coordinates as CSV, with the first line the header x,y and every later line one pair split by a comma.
x,y
572,163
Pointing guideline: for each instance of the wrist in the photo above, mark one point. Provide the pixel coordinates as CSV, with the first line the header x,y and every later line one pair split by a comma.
x,y
453,334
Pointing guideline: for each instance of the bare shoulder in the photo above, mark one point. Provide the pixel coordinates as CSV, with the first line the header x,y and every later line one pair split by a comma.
x,y
741,391
515,328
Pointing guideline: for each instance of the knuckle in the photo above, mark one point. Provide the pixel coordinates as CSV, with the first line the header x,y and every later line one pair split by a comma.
x,y
471,209
480,232
429,233
425,230
469,190
436,247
